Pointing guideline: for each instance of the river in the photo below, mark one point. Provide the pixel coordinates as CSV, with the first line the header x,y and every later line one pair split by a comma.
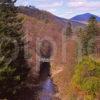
x,y
47,90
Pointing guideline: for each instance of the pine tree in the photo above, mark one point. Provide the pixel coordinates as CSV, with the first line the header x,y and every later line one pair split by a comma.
x,y
92,27
12,71
82,34
92,31
68,29
87,36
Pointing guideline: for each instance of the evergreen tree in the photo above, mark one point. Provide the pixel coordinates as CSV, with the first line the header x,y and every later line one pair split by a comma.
x,y
68,29
92,31
82,34
88,36
92,27
12,71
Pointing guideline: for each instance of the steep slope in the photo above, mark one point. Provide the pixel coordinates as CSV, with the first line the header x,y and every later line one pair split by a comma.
x,y
48,17
39,14
41,25
84,17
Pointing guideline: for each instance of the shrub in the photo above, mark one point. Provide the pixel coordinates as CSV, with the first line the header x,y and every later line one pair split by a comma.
x,y
87,76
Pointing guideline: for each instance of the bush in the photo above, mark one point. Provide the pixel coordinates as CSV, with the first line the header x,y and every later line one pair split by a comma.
x,y
87,76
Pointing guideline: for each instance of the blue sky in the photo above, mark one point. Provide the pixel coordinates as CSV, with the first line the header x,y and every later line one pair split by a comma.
x,y
65,8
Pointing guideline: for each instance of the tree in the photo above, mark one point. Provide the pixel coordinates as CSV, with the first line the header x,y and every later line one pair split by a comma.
x,y
92,27
13,67
82,34
88,35
92,31
87,77
68,29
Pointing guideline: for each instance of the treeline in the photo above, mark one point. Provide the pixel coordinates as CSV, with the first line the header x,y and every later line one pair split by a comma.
x,y
88,36
13,66
86,77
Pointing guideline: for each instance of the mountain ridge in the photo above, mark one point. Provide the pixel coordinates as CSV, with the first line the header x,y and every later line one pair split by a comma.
x,y
47,16
85,17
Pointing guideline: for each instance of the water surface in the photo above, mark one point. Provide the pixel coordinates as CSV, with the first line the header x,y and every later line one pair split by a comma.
x,y
47,90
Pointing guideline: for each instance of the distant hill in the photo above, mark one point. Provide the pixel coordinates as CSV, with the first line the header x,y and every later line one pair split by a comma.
x,y
47,17
84,17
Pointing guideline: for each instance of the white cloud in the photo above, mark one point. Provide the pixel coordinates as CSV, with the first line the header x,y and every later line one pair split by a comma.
x,y
25,3
76,3
65,8
50,5
40,0
22,2
52,10
67,14
84,4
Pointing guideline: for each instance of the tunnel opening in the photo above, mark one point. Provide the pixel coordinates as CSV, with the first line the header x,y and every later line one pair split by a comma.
x,y
47,88
44,70
45,52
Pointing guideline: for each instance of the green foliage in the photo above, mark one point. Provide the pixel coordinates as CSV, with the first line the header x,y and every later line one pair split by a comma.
x,y
92,27
82,34
88,97
87,36
13,67
6,71
87,76
91,85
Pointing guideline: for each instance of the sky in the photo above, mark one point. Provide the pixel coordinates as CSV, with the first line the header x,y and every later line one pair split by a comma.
x,y
64,8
